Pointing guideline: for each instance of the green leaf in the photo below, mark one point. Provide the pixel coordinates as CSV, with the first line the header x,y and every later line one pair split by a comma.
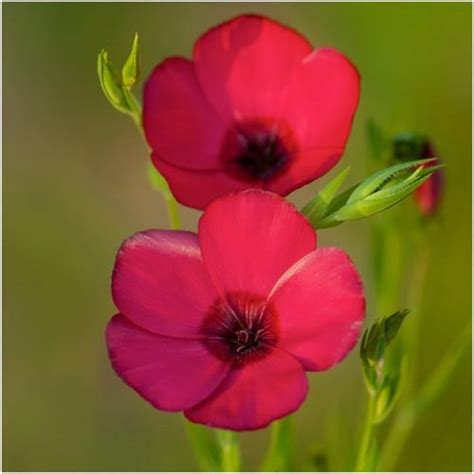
x,y
318,206
110,83
131,68
393,323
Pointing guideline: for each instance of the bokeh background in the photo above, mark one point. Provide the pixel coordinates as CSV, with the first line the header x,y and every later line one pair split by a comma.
x,y
74,186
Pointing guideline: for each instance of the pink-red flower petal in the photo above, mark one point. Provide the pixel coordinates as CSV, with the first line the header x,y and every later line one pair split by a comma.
x,y
243,65
160,284
179,123
249,239
254,395
321,307
322,100
305,168
172,374
196,188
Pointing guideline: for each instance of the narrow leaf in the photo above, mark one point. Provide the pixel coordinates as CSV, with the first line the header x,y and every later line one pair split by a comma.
x,y
318,206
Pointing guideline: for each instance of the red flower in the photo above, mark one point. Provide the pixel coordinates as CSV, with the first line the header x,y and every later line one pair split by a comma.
x,y
223,325
255,108
428,195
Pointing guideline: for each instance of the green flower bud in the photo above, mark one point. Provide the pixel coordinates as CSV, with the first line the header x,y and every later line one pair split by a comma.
x,y
110,83
373,346
117,89
131,68
393,323
377,193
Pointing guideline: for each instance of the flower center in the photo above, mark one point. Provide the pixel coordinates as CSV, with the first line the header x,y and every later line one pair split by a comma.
x,y
255,150
240,328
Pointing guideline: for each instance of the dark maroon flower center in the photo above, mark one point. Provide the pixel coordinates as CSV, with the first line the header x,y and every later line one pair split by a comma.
x,y
240,328
256,150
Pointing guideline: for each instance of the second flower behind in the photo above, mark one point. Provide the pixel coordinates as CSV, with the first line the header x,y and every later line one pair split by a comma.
x,y
256,107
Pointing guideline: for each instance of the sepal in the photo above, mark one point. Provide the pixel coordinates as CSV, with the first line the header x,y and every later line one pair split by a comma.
x,y
375,194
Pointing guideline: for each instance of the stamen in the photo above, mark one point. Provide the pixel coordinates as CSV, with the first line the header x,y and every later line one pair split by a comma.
x,y
255,150
240,328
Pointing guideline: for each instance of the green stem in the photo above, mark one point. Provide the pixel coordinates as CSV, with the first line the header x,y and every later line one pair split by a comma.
x,y
431,391
410,335
279,456
173,212
204,446
364,461
171,203
229,450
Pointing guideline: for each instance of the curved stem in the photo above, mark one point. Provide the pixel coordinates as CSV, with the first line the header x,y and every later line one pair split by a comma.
x,y
171,203
279,456
431,391
230,450
364,463
173,212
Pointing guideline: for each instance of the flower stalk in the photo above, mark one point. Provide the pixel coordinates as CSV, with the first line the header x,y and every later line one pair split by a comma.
x,y
430,392
366,457
280,454
117,89
229,450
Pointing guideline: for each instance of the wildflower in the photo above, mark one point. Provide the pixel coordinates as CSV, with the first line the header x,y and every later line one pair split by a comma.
x,y
256,107
223,325
428,195
410,146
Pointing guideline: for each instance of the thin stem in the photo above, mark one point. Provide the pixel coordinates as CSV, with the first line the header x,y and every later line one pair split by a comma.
x,y
364,463
171,203
279,456
173,212
230,450
410,336
431,391
204,446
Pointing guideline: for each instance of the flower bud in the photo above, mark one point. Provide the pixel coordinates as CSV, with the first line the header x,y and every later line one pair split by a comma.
x,y
373,346
110,83
380,191
131,68
117,89
428,195
411,146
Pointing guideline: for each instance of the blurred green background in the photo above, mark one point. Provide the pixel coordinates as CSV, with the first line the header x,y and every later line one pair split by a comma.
x,y
74,186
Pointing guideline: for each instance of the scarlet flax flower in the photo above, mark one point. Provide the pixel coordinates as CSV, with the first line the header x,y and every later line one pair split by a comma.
x,y
256,107
223,325
428,195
